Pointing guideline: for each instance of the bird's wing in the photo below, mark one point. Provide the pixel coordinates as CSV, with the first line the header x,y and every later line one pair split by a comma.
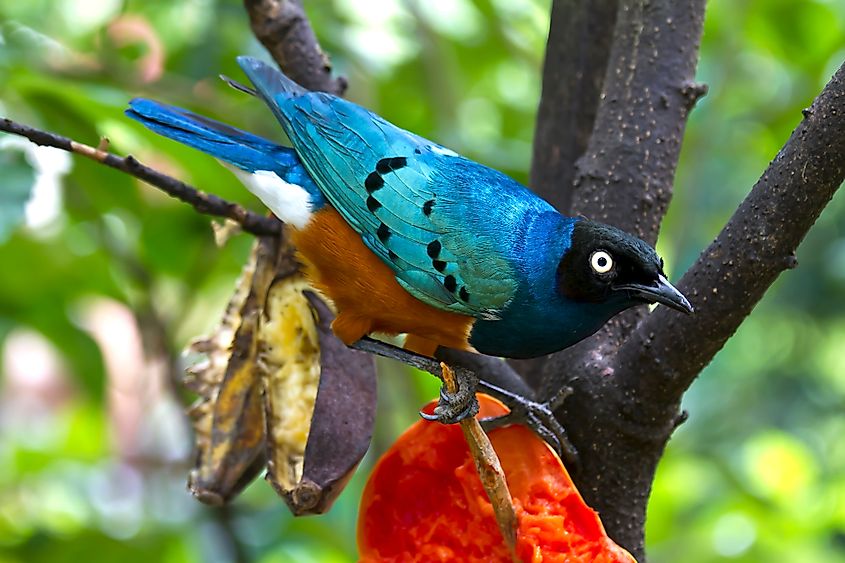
x,y
411,200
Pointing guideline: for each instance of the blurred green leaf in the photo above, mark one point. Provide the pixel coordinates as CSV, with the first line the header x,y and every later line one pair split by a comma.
x,y
18,179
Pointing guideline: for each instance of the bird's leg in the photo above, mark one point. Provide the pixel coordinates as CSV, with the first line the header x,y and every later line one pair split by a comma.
x,y
453,407
502,382
539,416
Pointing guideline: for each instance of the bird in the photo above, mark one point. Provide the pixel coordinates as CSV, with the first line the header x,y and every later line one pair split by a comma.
x,y
405,236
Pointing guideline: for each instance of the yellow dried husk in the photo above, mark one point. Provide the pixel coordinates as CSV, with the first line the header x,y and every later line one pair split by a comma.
x,y
289,356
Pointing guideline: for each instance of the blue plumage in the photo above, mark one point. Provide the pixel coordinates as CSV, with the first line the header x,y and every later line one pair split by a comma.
x,y
342,145
457,235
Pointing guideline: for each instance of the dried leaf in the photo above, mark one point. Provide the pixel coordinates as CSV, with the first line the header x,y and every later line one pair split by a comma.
x,y
229,416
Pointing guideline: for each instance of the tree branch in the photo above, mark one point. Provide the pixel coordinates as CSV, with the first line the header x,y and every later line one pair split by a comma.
x,y
580,37
666,353
625,177
284,30
208,204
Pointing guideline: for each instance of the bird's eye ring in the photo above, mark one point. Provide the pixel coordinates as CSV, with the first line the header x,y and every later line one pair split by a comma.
x,y
601,262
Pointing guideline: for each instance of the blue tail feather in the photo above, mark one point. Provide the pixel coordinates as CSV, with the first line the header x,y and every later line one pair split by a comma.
x,y
239,148
236,147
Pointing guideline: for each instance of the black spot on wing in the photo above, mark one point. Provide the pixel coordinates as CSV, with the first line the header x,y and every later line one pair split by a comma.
x,y
387,165
450,283
373,182
383,232
383,166
433,248
463,293
439,265
373,204
427,207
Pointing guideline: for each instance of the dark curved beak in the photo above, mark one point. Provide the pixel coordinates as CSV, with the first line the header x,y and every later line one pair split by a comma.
x,y
661,292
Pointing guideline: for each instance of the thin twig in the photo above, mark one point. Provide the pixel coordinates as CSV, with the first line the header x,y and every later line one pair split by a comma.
x,y
489,469
486,461
209,204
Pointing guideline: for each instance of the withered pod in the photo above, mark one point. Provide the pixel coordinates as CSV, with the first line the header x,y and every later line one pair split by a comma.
x,y
279,390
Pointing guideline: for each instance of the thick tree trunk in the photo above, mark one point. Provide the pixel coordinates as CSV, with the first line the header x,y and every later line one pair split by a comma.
x,y
624,177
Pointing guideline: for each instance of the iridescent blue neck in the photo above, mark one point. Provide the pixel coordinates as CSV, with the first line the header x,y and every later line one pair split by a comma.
x,y
531,323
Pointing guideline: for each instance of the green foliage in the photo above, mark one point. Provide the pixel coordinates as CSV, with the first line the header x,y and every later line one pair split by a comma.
x,y
18,180
93,461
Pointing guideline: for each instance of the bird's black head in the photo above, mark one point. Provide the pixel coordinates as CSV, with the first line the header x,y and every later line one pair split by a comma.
x,y
606,264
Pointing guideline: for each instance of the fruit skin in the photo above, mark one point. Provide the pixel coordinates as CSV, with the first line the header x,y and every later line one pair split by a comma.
x,y
424,501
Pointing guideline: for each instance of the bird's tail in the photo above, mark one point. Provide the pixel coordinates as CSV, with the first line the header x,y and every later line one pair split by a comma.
x,y
272,172
239,148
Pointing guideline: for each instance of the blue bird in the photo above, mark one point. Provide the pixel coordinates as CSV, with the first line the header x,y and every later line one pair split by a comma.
x,y
406,236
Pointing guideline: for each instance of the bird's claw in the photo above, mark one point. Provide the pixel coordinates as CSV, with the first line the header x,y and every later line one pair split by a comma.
x,y
455,407
539,417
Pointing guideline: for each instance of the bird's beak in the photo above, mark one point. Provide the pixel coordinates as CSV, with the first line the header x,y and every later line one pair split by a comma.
x,y
661,292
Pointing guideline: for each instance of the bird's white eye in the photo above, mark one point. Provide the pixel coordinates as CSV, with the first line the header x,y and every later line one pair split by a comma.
x,y
601,261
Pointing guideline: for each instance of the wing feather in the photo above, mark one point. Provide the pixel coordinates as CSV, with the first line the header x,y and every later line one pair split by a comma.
x,y
419,216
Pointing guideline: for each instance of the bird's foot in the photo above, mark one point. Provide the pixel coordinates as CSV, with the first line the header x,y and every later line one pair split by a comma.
x,y
538,416
455,406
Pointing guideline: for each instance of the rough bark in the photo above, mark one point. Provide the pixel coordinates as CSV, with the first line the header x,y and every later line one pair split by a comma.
x,y
580,37
284,30
625,177
626,401
666,353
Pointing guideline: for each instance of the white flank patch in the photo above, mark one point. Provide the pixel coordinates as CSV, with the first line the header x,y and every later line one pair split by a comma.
x,y
289,202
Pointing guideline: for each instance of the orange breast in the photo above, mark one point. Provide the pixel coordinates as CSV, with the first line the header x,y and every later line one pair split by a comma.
x,y
365,293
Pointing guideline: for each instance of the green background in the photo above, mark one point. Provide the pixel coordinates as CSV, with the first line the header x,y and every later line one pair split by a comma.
x,y
94,454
